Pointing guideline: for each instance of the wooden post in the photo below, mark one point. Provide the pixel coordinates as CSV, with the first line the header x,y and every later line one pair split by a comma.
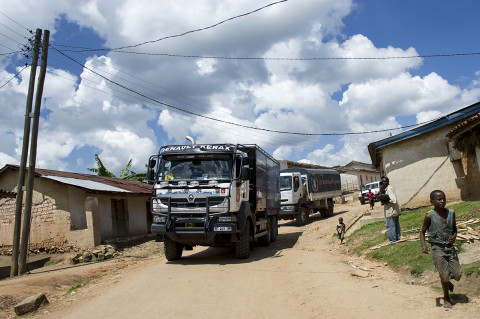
x,y
23,160
33,154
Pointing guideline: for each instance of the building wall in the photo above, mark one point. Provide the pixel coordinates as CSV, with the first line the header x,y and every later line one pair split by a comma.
x,y
421,164
471,166
349,181
137,215
365,177
67,215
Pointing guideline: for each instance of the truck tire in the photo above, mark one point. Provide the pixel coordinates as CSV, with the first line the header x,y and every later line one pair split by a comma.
x,y
172,249
329,210
301,217
273,229
242,247
265,239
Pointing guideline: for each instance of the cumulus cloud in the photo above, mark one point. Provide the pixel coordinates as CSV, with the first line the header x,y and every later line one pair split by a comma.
x,y
123,106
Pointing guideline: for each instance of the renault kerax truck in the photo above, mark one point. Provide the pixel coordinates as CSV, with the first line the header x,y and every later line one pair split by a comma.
x,y
214,195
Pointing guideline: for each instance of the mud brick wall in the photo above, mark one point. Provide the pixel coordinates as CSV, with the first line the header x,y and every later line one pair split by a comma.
x,y
44,232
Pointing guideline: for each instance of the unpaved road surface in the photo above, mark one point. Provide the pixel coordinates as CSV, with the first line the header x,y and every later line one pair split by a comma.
x,y
305,274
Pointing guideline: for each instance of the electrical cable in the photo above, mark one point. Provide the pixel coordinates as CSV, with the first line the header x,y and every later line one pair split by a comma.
x,y
30,31
228,122
14,76
187,32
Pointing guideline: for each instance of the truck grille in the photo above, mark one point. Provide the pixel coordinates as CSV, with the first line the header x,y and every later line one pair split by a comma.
x,y
198,202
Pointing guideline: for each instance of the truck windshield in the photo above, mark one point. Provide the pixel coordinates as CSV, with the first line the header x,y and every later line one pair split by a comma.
x,y
285,183
198,167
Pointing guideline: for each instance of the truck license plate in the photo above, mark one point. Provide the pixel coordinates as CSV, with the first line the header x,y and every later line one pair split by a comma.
x,y
222,228
189,225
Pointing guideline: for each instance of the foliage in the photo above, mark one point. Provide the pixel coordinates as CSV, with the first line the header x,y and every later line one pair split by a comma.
x,y
76,287
101,170
473,268
53,262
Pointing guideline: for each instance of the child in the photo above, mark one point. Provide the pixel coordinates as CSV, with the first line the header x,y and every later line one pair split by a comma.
x,y
371,198
442,232
341,230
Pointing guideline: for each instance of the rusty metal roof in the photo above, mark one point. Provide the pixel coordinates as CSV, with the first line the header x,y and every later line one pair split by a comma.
x,y
90,182
464,126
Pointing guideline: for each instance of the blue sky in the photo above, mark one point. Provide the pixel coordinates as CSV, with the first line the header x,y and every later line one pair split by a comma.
x,y
125,105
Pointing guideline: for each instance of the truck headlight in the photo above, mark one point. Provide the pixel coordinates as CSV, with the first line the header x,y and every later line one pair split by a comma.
x,y
159,219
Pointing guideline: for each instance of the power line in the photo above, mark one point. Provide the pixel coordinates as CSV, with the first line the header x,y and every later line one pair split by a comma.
x,y
288,59
184,33
17,23
14,76
228,122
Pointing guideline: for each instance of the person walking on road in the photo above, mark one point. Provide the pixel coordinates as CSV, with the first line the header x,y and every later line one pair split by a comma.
x,y
392,211
371,198
341,230
442,233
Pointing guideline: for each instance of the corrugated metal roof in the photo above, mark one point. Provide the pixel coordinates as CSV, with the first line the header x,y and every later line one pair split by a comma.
x,y
91,185
448,119
77,179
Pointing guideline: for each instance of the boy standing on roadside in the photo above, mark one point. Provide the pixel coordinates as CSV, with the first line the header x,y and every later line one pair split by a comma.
x,y
341,230
442,232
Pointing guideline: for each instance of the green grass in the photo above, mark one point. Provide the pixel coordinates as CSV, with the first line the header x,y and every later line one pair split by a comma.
x,y
473,268
53,262
76,287
408,255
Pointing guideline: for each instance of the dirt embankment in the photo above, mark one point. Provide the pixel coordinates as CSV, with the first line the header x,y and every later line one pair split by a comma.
x,y
304,274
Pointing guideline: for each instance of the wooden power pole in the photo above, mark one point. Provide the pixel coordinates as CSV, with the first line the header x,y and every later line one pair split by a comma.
x,y
33,155
23,161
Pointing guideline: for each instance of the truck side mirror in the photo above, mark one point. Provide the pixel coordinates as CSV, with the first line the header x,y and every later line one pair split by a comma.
x,y
151,163
245,173
150,175
296,183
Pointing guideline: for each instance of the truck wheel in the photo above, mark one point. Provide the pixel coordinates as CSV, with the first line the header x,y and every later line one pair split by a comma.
x,y
242,247
329,210
323,212
172,249
265,239
311,211
273,229
301,217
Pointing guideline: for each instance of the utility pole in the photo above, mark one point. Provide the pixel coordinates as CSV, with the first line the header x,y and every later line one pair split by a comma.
x,y
23,161
33,155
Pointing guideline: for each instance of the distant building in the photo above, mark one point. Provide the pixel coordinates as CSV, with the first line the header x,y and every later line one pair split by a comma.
x,y
424,158
76,209
355,174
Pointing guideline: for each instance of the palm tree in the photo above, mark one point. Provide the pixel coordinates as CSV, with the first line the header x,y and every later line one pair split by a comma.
x,y
101,170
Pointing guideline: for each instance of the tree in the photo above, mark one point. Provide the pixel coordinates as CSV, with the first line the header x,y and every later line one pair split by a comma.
x,y
101,170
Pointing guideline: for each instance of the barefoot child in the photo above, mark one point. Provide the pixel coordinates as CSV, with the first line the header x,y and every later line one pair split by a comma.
x,y
341,230
442,232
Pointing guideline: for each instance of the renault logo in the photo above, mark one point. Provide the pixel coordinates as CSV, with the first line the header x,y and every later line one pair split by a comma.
x,y
191,198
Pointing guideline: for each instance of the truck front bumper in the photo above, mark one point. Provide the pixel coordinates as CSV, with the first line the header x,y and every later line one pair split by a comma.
x,y
288,212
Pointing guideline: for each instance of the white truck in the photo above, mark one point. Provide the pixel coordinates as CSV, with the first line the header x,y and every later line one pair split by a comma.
x,y
305,191
214,195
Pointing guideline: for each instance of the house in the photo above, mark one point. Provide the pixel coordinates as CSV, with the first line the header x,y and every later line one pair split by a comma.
x,y
71,209
424,159
355,174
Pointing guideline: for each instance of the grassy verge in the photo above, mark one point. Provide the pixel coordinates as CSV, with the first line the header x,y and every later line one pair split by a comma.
x,y
408,255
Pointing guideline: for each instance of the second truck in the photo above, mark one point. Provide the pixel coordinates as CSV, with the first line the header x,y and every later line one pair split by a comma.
x,y
214,195
305,191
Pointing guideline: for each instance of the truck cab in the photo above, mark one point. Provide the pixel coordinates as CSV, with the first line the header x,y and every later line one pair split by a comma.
x,y
214,195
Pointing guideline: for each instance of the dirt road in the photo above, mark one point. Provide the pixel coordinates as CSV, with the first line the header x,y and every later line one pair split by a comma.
x,y
305,274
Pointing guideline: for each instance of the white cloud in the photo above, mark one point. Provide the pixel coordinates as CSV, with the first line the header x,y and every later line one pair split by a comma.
x,y
85,111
